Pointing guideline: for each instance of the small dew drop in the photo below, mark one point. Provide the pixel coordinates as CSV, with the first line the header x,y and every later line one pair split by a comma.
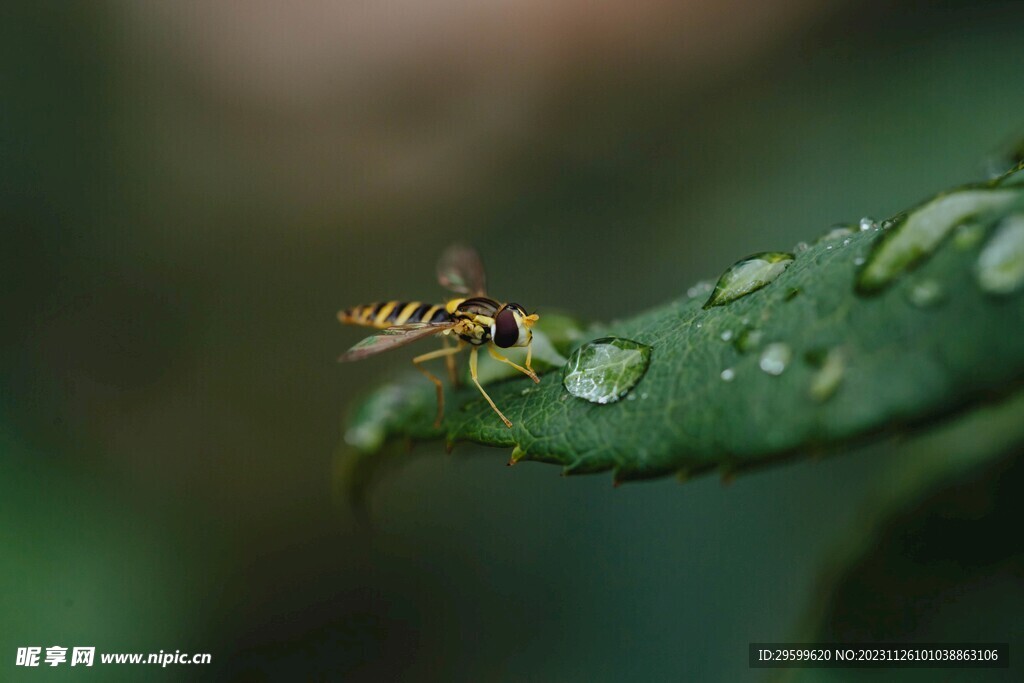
x,y
859,261
748,340
631,397
837,232
728,374
800,247
846,242
727,335
606,369
1000,266
867,223
828,377
775,358
889,223
748,275
926,293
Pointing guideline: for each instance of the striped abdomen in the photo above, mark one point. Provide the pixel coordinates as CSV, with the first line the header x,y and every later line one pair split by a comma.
x,y
390,313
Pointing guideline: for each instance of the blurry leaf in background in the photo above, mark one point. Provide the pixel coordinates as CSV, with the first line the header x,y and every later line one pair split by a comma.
x,y
934,552
77,571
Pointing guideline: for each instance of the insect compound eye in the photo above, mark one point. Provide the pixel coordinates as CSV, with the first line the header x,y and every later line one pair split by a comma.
x,y
506,328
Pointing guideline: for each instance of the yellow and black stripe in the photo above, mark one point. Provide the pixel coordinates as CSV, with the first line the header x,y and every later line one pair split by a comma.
x,y
390,313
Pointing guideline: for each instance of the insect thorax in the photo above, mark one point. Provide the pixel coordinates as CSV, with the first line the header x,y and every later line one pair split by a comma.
x,y
475,317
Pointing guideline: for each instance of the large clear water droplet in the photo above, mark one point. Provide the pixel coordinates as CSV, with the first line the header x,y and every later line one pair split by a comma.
x,y
867,223
926,293
828,377
605,370
775,358
917,236
1000,266
748,275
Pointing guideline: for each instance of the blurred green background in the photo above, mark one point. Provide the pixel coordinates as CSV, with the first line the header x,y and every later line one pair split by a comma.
x,y
189,192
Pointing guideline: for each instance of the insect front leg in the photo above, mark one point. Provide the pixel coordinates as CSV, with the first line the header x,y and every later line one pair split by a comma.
x,y
472,373
447,352
526,371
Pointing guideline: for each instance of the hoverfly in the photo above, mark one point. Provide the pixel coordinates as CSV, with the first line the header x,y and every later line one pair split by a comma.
x,y
473,321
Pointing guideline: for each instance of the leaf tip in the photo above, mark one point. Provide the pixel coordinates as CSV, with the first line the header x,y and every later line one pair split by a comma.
x,y
517,455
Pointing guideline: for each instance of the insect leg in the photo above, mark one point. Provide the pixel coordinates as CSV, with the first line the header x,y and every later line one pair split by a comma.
x,y
526,371
472,373
440,353
453,373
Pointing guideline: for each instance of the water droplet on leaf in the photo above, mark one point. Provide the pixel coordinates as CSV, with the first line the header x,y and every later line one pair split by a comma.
x,y
604,370
800,247
727,335
1000,266
921,232
926,293
775,358
828,377
748,275
867,223
728,374
748,340
892,222
837,232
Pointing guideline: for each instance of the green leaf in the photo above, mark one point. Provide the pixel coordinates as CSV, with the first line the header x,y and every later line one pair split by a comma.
x,y
872,331
925,558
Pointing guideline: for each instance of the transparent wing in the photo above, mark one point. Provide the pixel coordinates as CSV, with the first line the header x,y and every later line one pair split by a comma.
x,y
461,270
392,338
